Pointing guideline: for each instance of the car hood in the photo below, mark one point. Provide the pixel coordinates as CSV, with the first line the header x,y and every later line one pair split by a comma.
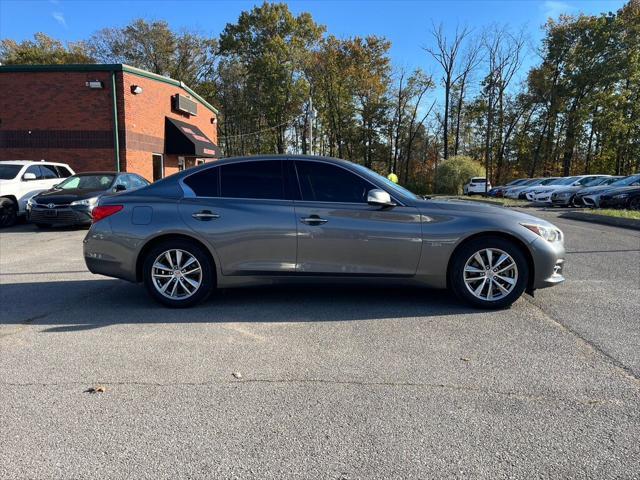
x,y
484,209
59,197
596,189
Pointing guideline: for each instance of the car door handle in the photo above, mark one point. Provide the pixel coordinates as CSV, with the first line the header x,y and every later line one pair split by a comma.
x,y
205,215
313,220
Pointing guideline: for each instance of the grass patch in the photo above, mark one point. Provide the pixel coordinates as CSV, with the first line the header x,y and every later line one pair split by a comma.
x,y
505,202
629,214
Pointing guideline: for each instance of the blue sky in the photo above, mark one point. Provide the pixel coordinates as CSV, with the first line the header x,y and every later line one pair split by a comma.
x,y
405,22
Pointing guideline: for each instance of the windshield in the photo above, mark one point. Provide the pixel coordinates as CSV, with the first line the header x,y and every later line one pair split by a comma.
x,y
597,181
627,181
87,182
387,183
565,181
519,181
535,181
9,171
549,181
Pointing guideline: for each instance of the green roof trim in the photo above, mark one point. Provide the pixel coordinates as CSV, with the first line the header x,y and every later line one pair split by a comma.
x,y
107,67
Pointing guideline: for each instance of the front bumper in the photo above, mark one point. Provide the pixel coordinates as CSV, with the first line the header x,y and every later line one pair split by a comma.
x,y
548,261
560,201
613,202
64,215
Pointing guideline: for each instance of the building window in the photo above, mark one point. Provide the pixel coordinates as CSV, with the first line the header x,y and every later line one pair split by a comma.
x,y
158,166
181,164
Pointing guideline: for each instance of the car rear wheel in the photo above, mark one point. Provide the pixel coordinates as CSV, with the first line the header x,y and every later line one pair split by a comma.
x,y
8,212
634,203
489,272
178,273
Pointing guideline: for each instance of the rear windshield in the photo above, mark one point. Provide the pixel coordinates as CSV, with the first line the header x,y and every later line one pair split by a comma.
x,y
9,171
478,180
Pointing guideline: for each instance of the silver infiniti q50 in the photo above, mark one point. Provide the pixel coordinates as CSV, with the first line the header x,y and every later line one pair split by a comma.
x,y
258,220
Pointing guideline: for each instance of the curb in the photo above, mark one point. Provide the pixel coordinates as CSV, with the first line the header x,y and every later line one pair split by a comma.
x,y
603,219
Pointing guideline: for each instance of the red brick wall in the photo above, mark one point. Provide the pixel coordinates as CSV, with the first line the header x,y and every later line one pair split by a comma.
x,y
60,101
45,101
144,120
54,100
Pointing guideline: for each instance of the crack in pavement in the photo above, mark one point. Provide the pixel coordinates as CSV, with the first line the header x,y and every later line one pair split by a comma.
x,y
464,388
625,370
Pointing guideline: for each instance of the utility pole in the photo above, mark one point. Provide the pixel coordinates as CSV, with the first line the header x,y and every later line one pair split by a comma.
x,y
312,115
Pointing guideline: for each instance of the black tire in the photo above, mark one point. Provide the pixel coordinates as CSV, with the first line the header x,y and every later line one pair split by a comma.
x,y
8,212
467,250
634,203
208,274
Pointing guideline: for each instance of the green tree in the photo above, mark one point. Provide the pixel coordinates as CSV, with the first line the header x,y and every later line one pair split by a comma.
x,y
43,50
455,171
272,45
153,46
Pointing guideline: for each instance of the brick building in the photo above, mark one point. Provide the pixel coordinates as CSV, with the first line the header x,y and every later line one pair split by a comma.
x,y
104,117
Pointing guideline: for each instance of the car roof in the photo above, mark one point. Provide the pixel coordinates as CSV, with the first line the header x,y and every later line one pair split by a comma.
x,y
31,162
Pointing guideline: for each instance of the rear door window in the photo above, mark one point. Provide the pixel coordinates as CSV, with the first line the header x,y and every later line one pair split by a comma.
x,y
63,172
205,183
259,179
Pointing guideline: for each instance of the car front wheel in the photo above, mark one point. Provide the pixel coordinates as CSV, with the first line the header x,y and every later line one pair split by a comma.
x,y
489,272
178,273
8,212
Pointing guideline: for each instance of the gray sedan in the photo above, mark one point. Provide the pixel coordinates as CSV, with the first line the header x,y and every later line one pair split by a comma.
x,y
277,219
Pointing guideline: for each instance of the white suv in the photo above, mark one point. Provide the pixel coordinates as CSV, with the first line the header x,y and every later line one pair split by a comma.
x,y
22,179
476,185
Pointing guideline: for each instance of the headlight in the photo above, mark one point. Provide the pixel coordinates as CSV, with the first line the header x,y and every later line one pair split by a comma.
x,y
87,202
30,203
621,195
550,234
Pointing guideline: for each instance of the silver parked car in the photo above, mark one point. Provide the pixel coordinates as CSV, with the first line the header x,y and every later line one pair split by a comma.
x,y
262,220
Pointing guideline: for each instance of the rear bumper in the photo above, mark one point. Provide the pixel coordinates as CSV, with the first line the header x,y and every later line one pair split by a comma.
x,y
107,255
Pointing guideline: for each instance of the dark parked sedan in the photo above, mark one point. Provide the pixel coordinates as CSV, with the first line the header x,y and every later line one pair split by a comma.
x,y
263,220
625,197
72,201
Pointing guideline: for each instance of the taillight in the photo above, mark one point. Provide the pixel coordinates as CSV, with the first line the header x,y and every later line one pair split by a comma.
x,y
104,211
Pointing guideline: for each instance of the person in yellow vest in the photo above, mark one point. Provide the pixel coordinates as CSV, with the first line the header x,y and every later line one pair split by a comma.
x,y
393,177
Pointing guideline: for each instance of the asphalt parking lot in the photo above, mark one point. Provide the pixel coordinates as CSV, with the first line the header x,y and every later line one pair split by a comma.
x,y
335,383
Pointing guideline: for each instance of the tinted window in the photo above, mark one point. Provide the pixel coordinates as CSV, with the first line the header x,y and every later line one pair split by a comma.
x,y
35,169
8,171
63,172
205,183
136,182
322,182
252,180
48,171
123,180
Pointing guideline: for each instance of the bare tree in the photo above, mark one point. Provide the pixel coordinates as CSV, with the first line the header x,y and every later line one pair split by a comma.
x,y
446,53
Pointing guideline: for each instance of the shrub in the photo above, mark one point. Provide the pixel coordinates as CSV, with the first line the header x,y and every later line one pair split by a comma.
x,y
454,172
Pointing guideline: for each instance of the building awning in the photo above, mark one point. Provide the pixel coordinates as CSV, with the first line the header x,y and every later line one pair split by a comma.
x,y
188,140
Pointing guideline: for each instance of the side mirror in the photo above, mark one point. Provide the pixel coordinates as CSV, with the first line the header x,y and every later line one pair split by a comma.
x,y
379,198
28,176
119,188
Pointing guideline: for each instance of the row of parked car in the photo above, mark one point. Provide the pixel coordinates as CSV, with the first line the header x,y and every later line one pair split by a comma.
x,y
49,193
594,191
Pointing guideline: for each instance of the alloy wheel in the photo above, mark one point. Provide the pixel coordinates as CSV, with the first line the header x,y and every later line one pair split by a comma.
x,y
176,274
490,274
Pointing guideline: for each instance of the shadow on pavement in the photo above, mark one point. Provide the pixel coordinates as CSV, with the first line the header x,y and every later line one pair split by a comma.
x,y
81,305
